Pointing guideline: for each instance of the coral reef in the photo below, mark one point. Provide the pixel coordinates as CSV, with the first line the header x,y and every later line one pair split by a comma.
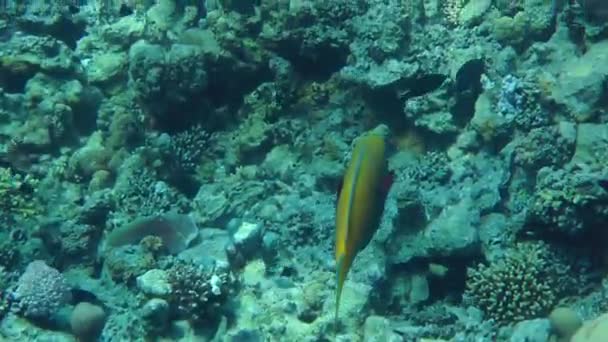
x,y
176,163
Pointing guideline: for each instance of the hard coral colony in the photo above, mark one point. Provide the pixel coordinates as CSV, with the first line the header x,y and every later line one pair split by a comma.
x,y
168,170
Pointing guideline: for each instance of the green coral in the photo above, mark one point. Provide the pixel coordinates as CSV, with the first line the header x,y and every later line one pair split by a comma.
x,y
17,197
520,286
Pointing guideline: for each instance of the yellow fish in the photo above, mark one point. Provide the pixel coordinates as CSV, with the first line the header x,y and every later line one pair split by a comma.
x,y
360,204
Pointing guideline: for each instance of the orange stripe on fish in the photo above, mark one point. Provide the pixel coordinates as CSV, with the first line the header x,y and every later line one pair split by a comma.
x,y
360,203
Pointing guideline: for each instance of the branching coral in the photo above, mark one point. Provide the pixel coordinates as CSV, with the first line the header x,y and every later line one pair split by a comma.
x,y
452,9
187,148
520,286
139,192
196,292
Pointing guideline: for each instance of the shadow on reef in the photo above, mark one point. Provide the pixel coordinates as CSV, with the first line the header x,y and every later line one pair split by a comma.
x,y
320,67
445,281
389,101
65,26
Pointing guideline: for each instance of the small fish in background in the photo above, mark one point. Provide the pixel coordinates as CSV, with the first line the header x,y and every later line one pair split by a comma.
x,y
361,198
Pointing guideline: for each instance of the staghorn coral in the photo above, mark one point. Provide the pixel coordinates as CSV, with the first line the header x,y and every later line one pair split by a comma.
x,y
198,293
520,286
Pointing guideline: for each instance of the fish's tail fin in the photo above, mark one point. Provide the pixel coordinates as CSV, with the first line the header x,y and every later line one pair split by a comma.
x,y
341,271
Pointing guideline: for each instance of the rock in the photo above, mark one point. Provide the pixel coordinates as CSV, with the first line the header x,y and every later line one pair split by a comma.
x,y
155,282
270,243
419,289
455,230
379,76
245,335
123,32
87,321
106,67
90,158
511,30
212,205
163,14
565,322
493,229
568,131
248,238
472,13
378,329
486,121
355,299
254,273
100,179
581,85
593,331
146,63
590,136
211,250
156,314
203,39
535,330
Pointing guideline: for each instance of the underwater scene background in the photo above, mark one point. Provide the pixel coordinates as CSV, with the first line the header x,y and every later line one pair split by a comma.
x,y
228,170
